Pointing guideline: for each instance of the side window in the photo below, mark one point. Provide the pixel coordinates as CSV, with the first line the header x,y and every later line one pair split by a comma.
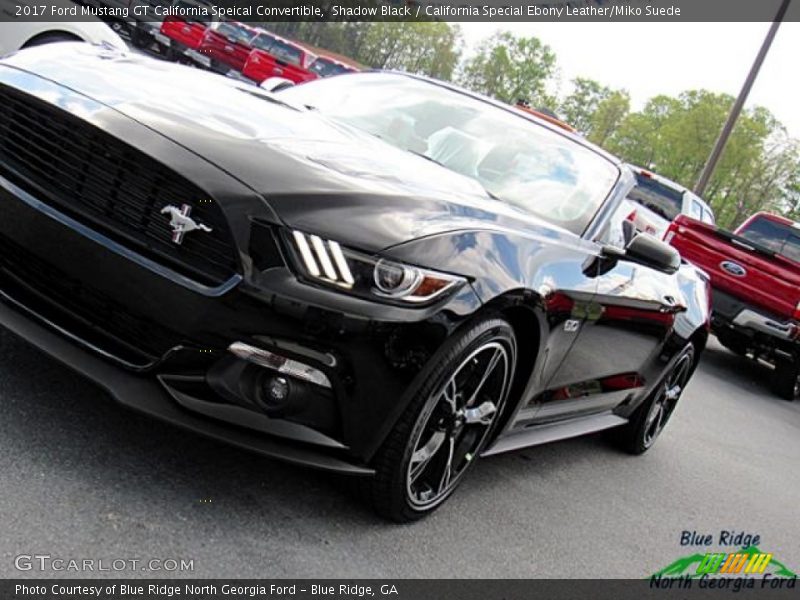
x,y
696,210
708,217
613,233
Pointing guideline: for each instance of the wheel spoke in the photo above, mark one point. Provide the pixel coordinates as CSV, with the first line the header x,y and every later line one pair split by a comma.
x,y
498,354
655,424
450,394
654,413
659,422
422,457
448,468
679,373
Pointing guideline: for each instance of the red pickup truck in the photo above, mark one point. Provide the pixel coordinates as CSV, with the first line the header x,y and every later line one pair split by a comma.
x,y
273,56
180,35
755,276
225,48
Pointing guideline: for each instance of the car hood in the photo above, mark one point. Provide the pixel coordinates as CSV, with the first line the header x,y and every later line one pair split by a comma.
x,y
312,171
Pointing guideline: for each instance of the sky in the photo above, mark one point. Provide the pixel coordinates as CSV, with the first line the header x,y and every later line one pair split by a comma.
x,y
649,59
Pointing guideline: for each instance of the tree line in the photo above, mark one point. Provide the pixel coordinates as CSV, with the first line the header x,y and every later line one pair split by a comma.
x,y
760,169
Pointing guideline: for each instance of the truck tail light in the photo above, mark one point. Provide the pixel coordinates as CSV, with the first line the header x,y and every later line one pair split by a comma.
x,y
670,233
796,314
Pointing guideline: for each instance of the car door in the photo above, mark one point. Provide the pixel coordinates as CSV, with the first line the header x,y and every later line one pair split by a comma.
x,y
621,333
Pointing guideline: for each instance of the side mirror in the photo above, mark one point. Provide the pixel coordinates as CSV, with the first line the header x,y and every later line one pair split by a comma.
x,y
652,252
276,84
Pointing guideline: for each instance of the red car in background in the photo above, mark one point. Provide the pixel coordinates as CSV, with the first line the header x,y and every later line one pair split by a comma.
x,y
225,48
273,56
178,35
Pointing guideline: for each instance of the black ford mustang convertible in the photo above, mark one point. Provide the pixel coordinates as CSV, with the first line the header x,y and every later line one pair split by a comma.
x,y
374,274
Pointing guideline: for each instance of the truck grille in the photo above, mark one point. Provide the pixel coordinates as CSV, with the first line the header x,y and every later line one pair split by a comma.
x,y
110,186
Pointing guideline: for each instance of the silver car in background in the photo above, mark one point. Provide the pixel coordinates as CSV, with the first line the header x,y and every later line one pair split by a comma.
x,y
19,30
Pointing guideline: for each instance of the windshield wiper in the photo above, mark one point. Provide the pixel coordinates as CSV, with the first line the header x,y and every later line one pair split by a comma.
x,y
267,97
426,157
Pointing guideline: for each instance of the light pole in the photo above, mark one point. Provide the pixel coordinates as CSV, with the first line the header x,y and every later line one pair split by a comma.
x,y
719,147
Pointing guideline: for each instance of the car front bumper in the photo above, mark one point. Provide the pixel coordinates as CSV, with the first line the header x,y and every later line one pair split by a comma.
x,y
152,396
169,355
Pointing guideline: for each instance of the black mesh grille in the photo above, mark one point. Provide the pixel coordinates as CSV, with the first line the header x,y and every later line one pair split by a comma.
x,y
109,186
87,312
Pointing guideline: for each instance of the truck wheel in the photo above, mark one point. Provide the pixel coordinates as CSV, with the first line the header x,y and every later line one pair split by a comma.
x,y
139,39
786,380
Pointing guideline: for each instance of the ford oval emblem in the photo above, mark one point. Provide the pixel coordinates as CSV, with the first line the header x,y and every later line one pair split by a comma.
x,y
733,268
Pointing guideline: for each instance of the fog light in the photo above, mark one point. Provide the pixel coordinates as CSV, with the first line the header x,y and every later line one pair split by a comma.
x,y
270,360
276,389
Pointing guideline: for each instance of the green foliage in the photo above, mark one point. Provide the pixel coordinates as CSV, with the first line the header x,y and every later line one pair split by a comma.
x,y
608,116
674,136
579,106
511,68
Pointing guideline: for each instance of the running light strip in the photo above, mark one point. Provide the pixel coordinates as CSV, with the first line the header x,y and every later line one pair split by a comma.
x,y
323,259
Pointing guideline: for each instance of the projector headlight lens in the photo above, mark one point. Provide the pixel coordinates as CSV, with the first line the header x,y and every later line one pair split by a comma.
x,y
327,262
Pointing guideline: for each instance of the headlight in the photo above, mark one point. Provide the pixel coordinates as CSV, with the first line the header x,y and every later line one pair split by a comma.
x,y
327,262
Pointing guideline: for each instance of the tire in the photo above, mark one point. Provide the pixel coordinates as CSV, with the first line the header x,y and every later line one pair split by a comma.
x,y
139,39
786,380
51,38
446,425
650,419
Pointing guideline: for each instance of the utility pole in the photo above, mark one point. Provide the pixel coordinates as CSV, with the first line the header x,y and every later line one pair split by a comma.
x,y
719,147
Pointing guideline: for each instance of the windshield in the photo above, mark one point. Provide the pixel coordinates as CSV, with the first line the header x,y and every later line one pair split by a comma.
x,y
663,200
780,238
236,32
326,68
517,161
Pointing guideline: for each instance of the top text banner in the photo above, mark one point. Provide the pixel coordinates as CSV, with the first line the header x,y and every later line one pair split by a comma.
x,y
600,11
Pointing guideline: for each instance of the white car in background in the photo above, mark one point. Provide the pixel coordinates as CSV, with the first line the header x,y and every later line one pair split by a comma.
x,y
18,32
656,201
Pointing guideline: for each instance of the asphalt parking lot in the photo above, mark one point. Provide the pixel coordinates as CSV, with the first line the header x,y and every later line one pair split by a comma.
x,y
81,477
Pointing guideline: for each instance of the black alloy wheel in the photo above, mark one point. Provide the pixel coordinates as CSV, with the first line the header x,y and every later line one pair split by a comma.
x,y
650,419
447,424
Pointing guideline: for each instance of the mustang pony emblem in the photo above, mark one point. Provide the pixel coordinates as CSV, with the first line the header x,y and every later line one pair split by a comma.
x,y
181,223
